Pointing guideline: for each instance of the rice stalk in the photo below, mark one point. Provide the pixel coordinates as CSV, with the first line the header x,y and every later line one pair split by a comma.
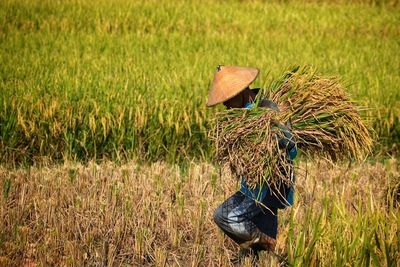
x,y
323,120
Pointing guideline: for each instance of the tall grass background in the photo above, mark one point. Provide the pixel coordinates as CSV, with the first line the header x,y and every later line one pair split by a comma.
x,y
129,79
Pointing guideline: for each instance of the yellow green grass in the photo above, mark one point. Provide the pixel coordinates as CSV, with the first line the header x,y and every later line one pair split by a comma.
x,y
128,79
161,215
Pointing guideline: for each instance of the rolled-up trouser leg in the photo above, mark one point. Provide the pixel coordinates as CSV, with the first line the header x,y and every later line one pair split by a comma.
x,y
234,217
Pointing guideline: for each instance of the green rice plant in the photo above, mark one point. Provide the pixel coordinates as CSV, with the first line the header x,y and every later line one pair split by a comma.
x,y
121,79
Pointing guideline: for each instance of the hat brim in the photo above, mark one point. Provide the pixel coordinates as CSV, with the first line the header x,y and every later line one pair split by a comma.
x,y
229,82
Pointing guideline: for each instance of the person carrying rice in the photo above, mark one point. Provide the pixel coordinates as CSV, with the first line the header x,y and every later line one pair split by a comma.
x,y
250,216
259,135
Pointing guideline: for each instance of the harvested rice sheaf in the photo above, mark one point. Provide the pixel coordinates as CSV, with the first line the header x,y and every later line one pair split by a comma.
x,y
317,110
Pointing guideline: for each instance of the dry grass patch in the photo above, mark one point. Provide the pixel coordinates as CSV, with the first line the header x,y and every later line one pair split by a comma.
x,y
161,215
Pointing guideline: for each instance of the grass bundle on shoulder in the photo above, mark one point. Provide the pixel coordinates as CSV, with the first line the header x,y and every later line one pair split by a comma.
x,y
323,121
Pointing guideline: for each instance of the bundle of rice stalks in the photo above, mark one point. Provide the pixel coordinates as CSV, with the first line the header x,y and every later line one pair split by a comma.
x,y
322,118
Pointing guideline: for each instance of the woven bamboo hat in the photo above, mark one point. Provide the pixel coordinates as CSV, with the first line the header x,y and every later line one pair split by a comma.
x,y
230,81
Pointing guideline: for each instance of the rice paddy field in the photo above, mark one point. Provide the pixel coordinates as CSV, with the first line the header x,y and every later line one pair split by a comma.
x,y
105,158
129,79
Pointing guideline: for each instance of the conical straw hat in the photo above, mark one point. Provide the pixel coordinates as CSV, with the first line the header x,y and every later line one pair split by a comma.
x,y
228,82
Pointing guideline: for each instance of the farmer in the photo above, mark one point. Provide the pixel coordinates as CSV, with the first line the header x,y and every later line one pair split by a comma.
x,y
250,216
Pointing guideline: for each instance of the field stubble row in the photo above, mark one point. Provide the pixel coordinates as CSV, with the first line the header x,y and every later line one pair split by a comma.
x,y
161,215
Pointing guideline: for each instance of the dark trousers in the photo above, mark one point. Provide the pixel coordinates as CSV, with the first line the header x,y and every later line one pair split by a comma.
x,y
239,216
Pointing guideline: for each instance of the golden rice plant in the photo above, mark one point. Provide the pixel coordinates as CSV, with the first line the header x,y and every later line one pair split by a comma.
x,y
318,112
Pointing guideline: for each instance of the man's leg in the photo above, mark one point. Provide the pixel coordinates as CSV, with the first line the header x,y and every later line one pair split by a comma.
x,y
267,222
235,218
231,216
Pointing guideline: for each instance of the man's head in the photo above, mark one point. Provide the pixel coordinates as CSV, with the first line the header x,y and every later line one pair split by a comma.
x,y
231,86
241,99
